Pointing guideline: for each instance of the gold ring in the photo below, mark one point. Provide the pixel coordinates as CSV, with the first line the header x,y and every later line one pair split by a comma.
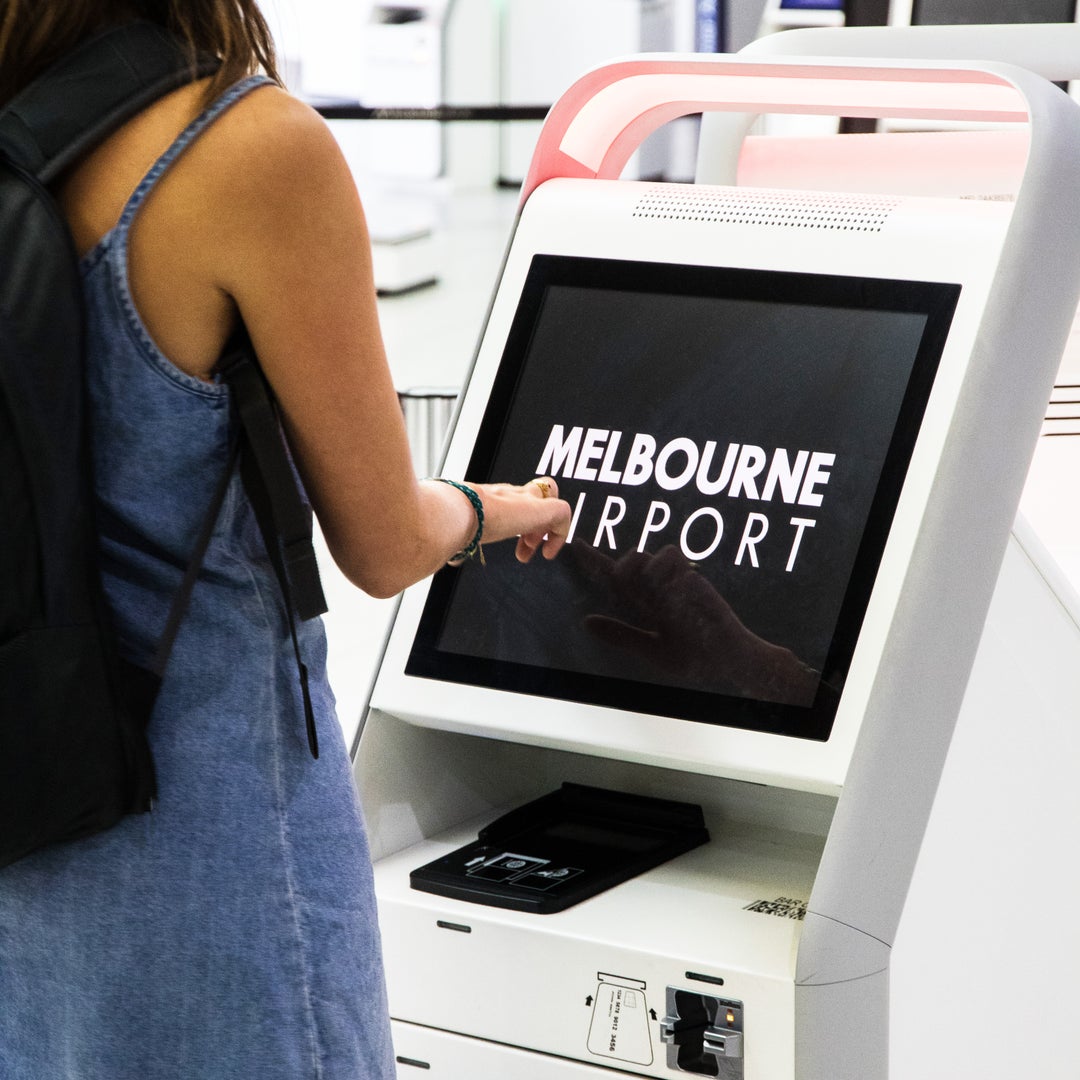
x,y
544,486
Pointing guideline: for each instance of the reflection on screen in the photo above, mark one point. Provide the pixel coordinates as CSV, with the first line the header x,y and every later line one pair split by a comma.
x,y
732,443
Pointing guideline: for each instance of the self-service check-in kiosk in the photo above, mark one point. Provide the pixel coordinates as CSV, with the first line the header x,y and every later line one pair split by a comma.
x,y
655,806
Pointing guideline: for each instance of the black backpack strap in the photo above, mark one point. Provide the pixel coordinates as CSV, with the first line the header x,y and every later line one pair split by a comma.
x,y
266,453
74,104
271,485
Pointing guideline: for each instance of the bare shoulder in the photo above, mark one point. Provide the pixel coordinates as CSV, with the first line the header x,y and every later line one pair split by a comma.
x,y
275,185
274,121
270,143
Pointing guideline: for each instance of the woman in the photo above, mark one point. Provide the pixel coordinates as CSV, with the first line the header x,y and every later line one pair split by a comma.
x,y
231,933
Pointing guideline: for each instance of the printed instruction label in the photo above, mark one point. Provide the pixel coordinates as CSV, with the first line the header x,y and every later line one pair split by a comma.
x,y
620,1024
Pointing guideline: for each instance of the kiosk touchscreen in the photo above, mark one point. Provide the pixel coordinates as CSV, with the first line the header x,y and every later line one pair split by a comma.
x,y
733,443
732,392
766,409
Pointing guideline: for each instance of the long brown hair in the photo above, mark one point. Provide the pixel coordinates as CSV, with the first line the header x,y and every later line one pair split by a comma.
x,y
35,33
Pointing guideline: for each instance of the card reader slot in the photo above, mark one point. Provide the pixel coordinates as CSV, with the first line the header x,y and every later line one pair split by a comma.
x,y
703,1034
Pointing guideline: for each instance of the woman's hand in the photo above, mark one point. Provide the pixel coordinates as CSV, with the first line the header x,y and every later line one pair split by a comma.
x,y
532,512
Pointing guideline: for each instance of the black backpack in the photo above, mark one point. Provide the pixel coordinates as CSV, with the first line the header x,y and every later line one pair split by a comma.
x,y
74,757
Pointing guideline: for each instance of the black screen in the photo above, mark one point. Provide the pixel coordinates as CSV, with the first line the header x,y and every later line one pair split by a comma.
x,y
978,12
733,443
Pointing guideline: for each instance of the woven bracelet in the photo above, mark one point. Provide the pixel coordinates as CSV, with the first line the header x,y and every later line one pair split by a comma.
x,y
473,547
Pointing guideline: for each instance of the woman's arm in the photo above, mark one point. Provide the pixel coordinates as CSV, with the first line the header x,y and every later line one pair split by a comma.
x,y
294,255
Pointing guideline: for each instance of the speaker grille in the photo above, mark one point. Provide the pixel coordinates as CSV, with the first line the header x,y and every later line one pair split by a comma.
x,y
778,209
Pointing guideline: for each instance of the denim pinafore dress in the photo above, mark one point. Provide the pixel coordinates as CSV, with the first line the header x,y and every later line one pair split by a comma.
x,y
231,933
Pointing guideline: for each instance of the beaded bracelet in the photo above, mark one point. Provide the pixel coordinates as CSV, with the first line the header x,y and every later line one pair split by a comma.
x,y
473,547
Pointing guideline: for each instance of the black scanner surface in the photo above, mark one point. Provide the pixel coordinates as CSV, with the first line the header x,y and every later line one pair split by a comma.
x,y
563,848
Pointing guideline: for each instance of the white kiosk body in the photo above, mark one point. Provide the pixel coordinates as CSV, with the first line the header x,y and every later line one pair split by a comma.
x,y
794,427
